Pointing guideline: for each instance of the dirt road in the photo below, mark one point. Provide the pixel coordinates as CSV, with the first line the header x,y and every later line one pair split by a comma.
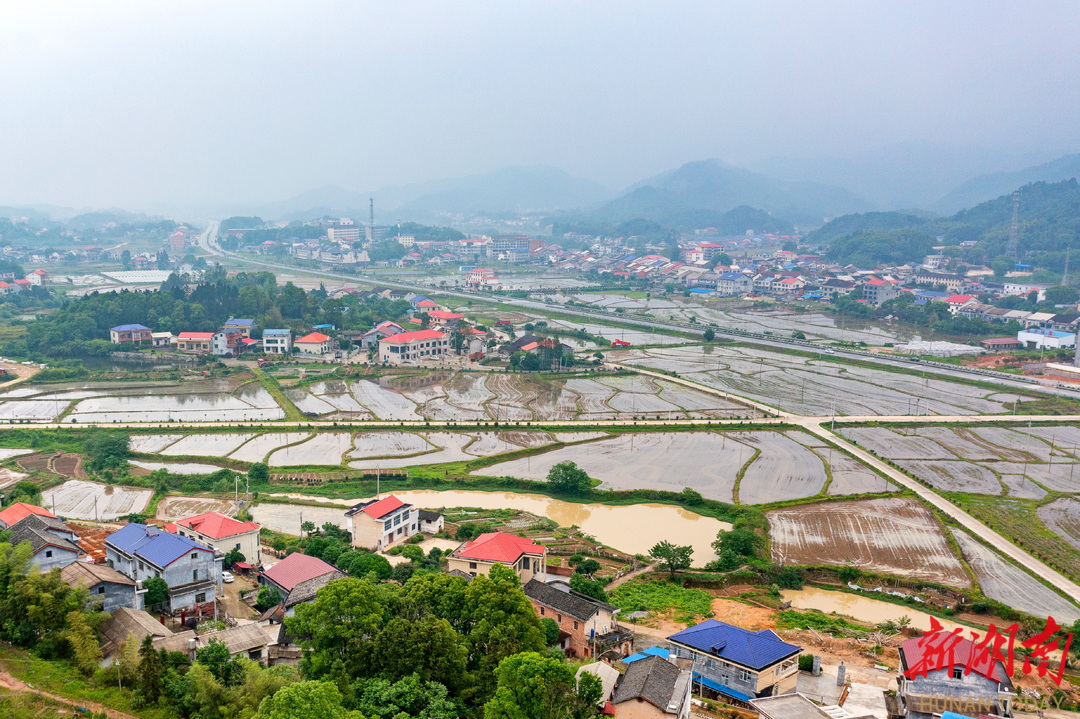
x,y
12,684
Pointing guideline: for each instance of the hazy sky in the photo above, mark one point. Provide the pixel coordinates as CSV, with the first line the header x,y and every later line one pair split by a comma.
x,y
139,103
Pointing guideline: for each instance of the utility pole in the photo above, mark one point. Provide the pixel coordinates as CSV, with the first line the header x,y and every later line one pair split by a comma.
x,y
1014,228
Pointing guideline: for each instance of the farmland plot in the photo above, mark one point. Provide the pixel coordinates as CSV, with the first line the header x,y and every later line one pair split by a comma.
x,y
207,445
35,410
451,449
178,467
489,443
325,448
1013,586
256,449
527,438
514,397
1059,477
592,395
1062,516
957,443
954,476
555,402
893,535
637,337
9,477
389,444
1064,439
571,437
893,445
1013,445
6,453
76,499
382,402
307,402
173,508
180,407
705,461
1017,485
850,477
152,443
784,469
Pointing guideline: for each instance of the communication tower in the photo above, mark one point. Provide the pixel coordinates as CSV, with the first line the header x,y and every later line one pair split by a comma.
x,y
1014,228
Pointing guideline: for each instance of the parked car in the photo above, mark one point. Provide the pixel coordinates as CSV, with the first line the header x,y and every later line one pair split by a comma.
x,y
227,577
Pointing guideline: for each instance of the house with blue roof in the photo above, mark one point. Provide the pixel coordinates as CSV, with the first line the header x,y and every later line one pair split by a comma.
x,y
134,334
736,663
240,325
191,569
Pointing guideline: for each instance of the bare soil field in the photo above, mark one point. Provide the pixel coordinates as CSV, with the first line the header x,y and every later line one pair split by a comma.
x,y
893,535
1013,586
77,499
1062,516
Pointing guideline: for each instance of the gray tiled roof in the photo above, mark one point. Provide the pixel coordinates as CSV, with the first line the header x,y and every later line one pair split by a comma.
x,y
571,603
652,679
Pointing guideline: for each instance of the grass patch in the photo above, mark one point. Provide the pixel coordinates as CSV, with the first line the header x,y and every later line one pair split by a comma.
x,y
816,620
689,605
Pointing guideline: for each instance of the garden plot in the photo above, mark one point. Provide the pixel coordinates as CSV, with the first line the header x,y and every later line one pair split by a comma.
x,y
896,446
784,470
256,449
1017,485
849,476
1062,516
384,403
325,448
389,444
812,385
1013,586
892,535
451,449
178,467
256,405
76,499
173,508
705,461
34,410
152,443
953,476
207,445
6,453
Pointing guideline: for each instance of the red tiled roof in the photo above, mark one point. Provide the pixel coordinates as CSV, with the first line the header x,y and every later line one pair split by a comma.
x,y
530,347
195,336
313,338
956,299
913,656
383,507
444,315
477,332
217,525
402,337
427,303
499,547
297,568
21,510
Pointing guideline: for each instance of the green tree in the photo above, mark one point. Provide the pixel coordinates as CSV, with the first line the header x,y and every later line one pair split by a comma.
x,y
338,627
671,556
551,630
532,686
231,557
1001,266
1061,295
588,566
429,648
848,573
259,473
157,591
267,597
410,697
106,449
709,335
151,671
742,541
215,656
306,700
84,644
568,478
589,587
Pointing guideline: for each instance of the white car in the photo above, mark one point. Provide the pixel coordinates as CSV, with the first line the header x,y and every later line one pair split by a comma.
x,y
227,577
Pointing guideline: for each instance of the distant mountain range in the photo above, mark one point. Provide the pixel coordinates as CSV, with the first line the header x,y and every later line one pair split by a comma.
x,y
989,186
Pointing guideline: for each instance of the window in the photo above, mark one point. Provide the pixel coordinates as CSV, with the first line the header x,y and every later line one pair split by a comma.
x,y
397,519
575,626
541,611
472,565
194,575
237,547
387,525
744,676
48,552
101,590
958,672
194,555
558,618
200,597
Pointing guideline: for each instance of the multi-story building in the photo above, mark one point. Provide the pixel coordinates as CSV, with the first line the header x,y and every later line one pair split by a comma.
x,y
241,325
134,334
412,346
191,569
315,343
221,532
736,662
343,233
653,688
194,341
108,589
877,291
378,524
587,626
734,283
963,680
383,329
227,343
277,342
53,544
481,554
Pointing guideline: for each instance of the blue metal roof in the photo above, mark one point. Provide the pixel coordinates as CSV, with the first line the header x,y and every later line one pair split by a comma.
x,y
239,322
129,328
731,275
276,332
153,545
716,687
418,299
701,290
756,650
650,652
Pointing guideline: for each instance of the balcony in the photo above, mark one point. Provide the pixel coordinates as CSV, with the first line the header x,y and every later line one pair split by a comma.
x,y
617,635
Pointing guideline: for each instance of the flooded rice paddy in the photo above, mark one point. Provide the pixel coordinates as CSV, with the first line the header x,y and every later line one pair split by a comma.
x,y
76,499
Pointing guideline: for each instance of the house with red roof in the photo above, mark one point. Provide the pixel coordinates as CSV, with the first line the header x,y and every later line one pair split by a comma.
x,y
38,277
405,347
298,578
378,524
957,302
221,532
315,343
194,341
941,672
478,556
444,318
20,511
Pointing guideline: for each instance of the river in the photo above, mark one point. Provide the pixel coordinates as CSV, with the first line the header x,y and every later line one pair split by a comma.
x,y
633,528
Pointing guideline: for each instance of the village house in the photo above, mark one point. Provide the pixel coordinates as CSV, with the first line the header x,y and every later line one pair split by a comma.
x,y
412,346
241,325
19,511
383,329
109,590
246,640
972,683
134,334
444,319
297,578
653,687
128,623
587,626
738,663
520,554
227,343
277,342
53,544
378,524
315,343
430,522
877,291
38,278
162,339
192,570
733,283
194,341
221,532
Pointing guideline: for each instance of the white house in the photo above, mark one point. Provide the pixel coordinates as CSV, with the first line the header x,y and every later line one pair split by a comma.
x,y
1038,338
380,523
409,346
277,342
315,343
221,532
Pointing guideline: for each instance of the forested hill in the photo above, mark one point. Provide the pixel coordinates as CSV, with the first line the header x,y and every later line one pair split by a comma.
x,y
1049,222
